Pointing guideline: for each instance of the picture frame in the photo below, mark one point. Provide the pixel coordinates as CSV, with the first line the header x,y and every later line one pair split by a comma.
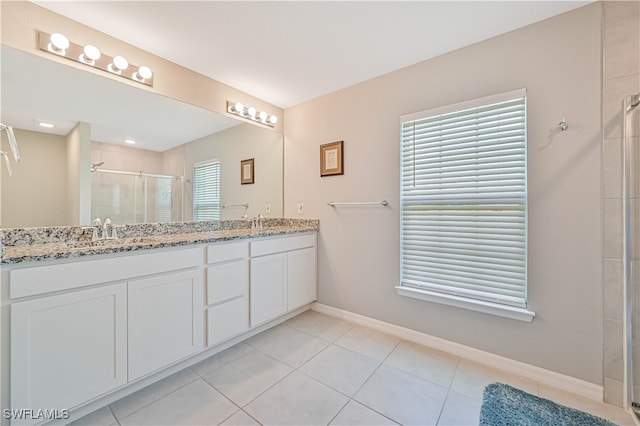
x,y
332,159
247,171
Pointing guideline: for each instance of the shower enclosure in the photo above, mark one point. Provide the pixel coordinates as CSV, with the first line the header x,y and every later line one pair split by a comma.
x,y
631,249
129,197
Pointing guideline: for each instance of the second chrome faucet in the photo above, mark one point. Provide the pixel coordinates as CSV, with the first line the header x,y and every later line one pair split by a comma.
x,y
106,230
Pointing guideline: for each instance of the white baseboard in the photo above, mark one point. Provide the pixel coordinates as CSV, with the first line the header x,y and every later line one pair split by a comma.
x,y
540,375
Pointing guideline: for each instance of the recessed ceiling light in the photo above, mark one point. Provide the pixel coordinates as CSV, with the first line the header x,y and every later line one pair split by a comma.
x,y
129,141
46,125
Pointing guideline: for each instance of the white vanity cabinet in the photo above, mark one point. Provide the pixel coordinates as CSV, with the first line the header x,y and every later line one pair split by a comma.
x,y
88,328
69,348
283,276
164,320
103,326
227,291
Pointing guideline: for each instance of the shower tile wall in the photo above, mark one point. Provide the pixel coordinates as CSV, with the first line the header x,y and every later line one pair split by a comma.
x,y
127,159
621,77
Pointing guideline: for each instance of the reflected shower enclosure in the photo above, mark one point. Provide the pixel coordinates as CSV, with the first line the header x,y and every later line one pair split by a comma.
x,y
129,197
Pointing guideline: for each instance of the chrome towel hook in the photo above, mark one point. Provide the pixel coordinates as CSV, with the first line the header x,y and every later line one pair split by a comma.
x,y
563,125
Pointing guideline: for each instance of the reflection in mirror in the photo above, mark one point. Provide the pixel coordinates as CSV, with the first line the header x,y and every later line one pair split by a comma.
x,y
64,175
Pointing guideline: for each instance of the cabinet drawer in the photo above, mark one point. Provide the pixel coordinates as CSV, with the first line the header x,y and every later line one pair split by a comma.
x,y
278,245
227,281
227,251
227,320
65,276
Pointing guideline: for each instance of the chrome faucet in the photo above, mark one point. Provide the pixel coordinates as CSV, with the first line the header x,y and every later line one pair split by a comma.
x,y
257,222
106,230
106,235
96,227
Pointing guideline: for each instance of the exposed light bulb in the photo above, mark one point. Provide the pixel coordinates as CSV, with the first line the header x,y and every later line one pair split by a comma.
x,y
252,111
118,65
145,72
59,43
263,115
239,107
121,63
273,119
90,54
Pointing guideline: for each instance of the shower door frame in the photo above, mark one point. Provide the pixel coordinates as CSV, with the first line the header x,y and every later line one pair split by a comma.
x,y
627,227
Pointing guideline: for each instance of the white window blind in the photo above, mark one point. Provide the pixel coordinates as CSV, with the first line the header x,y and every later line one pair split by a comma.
x,y
206,190
464,199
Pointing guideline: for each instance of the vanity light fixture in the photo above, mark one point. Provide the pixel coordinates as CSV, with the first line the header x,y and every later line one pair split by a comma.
x,y
118,65
142,74
251,113
90,55
58,44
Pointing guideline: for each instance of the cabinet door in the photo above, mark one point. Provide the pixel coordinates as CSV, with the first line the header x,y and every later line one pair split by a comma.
x,y
268,287
69,348
301,277
166,320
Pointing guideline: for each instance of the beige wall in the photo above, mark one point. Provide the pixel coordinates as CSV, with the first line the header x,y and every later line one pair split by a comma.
x,y
558,61
78,177
37,192
248,142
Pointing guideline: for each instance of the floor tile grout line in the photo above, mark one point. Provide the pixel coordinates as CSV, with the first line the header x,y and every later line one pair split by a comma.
x,y
113,414
155,400
219,353
353,325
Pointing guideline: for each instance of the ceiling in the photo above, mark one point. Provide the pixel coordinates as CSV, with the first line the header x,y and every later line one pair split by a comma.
x,y
289,52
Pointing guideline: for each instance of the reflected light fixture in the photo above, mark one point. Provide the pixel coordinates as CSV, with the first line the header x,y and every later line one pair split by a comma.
x,y
129,141
90,55
251,113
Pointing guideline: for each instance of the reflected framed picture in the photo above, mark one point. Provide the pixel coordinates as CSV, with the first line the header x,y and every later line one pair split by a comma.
x,y
331,159
247,171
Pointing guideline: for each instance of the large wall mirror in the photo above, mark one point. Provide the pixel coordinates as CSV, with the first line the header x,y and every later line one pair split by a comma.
x,y
82,168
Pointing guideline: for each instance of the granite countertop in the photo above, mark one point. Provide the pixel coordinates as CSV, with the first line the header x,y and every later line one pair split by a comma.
x,y
38,244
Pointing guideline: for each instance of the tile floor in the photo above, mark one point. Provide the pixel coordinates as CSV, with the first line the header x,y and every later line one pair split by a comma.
x,y
318,370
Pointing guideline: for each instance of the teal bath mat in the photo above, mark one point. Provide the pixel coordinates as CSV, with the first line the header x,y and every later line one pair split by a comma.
x,y
503,405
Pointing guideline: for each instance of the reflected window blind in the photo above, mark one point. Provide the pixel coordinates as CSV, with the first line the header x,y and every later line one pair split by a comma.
x,y
206,190
464,192
163,199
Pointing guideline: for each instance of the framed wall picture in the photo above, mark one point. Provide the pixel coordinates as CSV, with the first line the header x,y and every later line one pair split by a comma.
x,y
247,171
331,159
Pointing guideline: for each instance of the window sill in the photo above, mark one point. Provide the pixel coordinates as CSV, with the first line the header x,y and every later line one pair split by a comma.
x,y
505,311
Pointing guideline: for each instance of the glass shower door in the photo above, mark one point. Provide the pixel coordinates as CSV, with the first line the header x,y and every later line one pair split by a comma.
x,y
126,197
